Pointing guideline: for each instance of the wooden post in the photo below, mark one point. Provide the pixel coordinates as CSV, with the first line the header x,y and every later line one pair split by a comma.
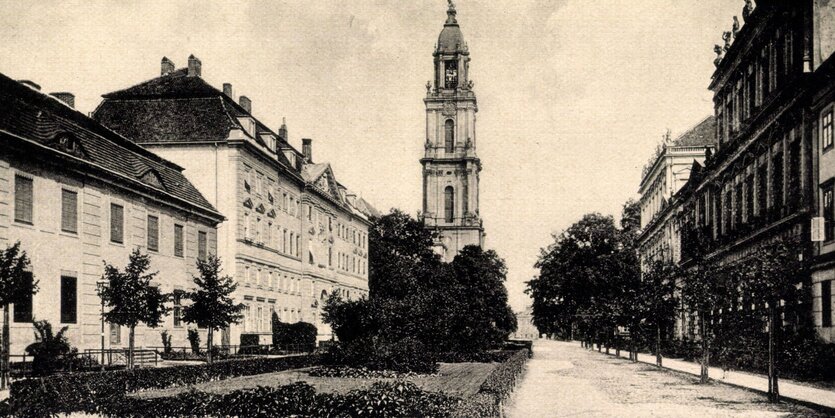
x,y
658,345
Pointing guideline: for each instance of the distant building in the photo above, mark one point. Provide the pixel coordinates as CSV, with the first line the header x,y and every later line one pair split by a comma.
x,y
294,234
450,165
662,178
76,194
525,329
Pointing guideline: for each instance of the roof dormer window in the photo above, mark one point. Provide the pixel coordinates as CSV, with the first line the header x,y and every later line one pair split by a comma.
x,y
248,124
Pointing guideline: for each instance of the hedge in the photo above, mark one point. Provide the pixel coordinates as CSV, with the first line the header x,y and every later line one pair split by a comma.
x,y
82,392
477,357
382,399
495,389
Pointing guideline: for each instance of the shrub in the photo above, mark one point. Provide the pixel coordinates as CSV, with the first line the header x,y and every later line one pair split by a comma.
x,y
406,355
300,335
82,392
166,342
249,344
477,357
51,352
357,373
194,340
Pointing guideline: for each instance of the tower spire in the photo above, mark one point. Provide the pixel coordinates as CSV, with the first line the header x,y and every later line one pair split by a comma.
x,y
450,20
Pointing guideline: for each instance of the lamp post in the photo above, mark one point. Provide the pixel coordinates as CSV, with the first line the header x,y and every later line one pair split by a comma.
x,y
100,286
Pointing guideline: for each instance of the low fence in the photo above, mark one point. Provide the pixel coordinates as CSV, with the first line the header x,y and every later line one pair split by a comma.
x,y
226,351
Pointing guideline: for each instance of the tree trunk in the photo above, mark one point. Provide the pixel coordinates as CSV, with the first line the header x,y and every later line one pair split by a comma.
x,y
705,372
130,347
209,346
773,360
4,364
658,345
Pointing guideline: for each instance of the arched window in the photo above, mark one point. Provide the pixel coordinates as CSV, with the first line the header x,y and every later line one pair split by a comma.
x,y
449,135
449,204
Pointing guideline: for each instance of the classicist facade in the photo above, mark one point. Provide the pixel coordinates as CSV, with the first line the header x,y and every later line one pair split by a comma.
x,y
769,176
663,177
75,195
294,234
450,165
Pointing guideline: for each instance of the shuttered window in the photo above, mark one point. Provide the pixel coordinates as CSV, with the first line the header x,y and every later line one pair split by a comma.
x,y
23,306
115,334
153,233
117,223
23,199
201,245
69,211
178,240
69,300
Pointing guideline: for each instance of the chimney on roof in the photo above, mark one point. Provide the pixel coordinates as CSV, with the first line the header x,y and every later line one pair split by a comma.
x,y
30,83
246,104
166,66
307,150
227,89
194,66
67,98
282,131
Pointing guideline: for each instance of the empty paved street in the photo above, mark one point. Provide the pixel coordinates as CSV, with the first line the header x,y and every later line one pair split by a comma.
x,y
565,380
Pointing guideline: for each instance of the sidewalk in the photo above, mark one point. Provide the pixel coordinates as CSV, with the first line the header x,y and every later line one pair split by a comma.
x,y
788,389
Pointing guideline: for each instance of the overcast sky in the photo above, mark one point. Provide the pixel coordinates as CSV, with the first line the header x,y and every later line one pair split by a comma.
x,y
573,94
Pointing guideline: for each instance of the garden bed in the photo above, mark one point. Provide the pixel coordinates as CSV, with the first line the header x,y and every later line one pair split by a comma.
x,y
456,379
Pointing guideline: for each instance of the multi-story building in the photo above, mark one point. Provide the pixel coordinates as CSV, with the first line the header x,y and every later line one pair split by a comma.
x,y
760,184
75,194
294,233
662,178
525,329
450,165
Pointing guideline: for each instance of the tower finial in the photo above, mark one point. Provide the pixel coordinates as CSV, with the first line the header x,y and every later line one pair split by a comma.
x,y
451,13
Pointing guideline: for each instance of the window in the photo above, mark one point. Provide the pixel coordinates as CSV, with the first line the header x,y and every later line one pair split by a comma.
x,y
309,213
178,240
762,189
449,204
794,187
153,233
23,192
268,234
826,303
330,256
69,299
247,229
117,223
449,136
451,74
23,307
177,314
115,334
749,199
298,245
69,211
826,130
828,214
777,179
201,245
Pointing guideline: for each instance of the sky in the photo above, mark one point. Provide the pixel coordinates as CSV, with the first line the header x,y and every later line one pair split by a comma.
x,y
573,95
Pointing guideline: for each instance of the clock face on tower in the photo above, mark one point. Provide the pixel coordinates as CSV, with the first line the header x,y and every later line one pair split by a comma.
x,y
451,80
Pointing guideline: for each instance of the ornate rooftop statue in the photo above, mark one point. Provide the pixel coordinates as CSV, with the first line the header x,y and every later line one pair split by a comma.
x,y
727,37
748,9
736,26
720,53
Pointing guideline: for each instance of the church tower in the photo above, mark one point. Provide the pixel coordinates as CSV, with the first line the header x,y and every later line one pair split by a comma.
x,y
450,165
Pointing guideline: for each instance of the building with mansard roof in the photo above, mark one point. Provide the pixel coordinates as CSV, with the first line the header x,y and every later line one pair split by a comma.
x,y
74,194
294,234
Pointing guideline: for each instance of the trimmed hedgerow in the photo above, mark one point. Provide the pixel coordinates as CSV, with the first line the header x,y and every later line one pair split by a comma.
x,y
359,373
85,392
495,389
477,357
382,399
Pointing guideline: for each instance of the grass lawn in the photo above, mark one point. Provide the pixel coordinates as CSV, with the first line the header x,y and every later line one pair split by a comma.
x,y
457,379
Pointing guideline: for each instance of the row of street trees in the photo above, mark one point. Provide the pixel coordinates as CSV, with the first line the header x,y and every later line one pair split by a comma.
x,y
590,286
133,298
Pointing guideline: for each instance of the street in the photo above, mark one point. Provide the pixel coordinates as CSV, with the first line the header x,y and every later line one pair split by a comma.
x,y
563,379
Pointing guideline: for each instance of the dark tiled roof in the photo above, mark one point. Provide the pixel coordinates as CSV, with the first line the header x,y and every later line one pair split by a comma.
x,y
703,134
35,116
178,108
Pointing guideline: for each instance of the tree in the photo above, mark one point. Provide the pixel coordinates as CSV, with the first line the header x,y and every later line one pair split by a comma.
x,y
771,275
132,297
704,285
15,285
211,305
658,297
584,275
50,351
